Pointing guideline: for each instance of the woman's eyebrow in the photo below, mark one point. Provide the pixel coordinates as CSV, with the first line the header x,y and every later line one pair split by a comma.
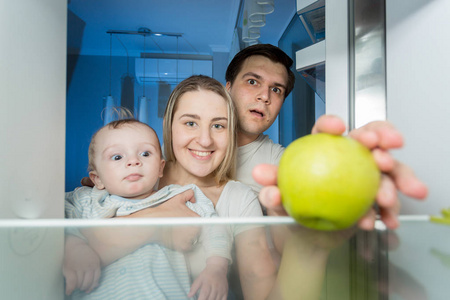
x,y
219,119
197,117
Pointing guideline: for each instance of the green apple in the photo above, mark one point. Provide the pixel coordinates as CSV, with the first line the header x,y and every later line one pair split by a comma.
x,y
327,182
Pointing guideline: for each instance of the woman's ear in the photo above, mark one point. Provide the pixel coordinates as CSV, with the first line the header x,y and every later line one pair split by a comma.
x,y
96,180
161,168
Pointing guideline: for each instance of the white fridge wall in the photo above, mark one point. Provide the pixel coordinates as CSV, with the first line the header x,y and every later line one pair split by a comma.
x,y
418,67
32,145
32,114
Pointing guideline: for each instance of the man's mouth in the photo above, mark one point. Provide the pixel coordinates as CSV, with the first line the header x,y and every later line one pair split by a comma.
x,y
257,113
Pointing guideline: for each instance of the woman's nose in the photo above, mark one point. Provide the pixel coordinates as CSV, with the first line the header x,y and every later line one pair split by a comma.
x,y
205,139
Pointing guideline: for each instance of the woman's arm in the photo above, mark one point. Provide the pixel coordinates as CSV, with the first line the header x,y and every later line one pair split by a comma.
x,y
257,270
114,243
81,267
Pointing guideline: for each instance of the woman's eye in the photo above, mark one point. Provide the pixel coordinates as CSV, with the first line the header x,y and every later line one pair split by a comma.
x,y
145,153
218,126
252,81
116,157
190,124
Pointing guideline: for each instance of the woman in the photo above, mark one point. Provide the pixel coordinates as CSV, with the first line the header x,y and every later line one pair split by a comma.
x,y
200,148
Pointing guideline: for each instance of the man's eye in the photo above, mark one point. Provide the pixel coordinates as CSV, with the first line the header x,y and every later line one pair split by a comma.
x,y
116,157
252,81
145,153
276,90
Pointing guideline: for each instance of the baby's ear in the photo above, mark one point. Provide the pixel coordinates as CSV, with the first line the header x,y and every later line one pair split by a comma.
x,y
161,168
96,180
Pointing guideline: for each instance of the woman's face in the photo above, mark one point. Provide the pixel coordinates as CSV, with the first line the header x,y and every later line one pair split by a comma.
x,y
200,132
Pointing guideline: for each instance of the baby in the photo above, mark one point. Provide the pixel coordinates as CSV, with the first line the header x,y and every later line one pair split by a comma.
x,y
125,163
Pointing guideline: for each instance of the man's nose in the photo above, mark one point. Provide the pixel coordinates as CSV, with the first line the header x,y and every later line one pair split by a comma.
x,y
264,95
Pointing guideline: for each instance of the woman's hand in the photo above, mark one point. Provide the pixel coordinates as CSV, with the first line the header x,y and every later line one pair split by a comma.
x,y
212,282
379,137
179,238
114,243
81,267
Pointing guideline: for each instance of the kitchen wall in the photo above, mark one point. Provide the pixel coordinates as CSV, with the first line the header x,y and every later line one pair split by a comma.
x,y
88,85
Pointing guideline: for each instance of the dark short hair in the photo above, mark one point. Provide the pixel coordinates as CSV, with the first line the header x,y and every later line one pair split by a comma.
x,y
272,52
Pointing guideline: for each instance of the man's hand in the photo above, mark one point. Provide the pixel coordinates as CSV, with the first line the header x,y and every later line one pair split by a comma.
x,y
81,267
379,137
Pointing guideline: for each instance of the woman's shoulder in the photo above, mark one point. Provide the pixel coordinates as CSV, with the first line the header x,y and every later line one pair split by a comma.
x,y
234,186
238,200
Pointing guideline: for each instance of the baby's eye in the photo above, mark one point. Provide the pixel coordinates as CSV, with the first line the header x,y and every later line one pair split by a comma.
x,y
252,81
145,153
116,157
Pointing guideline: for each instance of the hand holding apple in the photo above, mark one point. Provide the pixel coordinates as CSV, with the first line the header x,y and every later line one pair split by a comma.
x,y
327,182
379,137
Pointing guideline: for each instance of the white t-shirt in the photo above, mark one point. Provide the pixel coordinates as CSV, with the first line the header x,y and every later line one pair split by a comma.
x,y
261,151
237,200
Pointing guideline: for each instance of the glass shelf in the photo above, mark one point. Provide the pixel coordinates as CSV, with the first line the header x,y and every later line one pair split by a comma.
x,y
412,262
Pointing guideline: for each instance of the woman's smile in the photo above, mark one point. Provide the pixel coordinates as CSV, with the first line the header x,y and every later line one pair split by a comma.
x,y
199,134
201,154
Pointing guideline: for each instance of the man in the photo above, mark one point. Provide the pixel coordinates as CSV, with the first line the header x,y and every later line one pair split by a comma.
x,y
259,79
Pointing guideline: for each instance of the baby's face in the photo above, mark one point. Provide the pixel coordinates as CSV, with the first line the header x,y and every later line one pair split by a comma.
x,y
127,160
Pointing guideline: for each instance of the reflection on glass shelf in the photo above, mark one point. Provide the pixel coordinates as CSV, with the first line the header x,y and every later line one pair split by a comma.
x,y
314,21
315,77
312,15
166,258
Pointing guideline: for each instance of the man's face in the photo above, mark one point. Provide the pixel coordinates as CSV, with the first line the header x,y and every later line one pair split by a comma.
x,y
258,93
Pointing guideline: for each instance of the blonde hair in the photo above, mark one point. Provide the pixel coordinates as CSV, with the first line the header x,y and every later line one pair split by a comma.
x,y
227,169
113,125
